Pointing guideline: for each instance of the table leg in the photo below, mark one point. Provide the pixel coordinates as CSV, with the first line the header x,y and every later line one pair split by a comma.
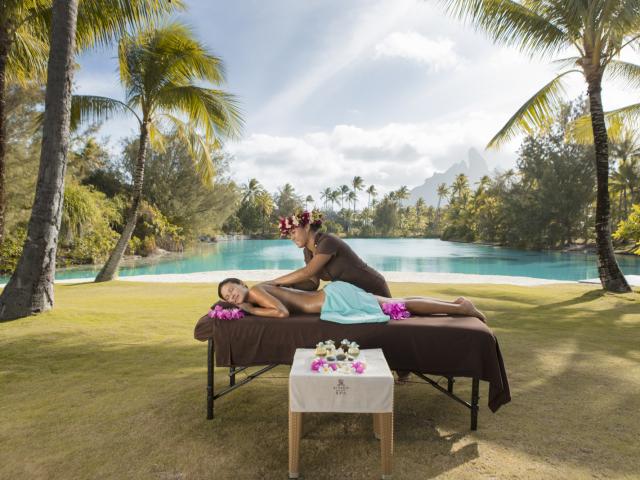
x,y
386,445
376,425
295,428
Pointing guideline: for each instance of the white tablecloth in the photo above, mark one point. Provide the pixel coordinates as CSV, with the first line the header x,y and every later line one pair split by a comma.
x,y
369,392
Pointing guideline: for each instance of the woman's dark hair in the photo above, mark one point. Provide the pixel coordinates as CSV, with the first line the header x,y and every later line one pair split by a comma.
x,y
237,281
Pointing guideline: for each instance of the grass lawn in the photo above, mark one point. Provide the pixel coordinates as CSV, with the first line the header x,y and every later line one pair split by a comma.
x,y
111,384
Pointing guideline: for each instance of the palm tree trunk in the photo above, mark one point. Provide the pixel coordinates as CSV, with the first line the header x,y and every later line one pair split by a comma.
x,y
110,269
4,52
611,276
30,289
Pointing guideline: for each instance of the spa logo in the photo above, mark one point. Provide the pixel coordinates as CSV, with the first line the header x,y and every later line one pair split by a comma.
x,y
341,388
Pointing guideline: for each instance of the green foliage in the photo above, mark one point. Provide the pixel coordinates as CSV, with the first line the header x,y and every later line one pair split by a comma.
x,y
11,249
174,187
156,230
86,235
629,229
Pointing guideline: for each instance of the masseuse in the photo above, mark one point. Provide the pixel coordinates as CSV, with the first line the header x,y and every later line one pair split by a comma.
x,y
326,257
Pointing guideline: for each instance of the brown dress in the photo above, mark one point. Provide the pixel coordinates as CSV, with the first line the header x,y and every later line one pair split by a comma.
x,y
345,266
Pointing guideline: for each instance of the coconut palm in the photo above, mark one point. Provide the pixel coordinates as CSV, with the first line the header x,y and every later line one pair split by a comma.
x,y
372,192
161,69
597,30
307,201
251,190
357,184
333,198
30,289
442,191
24,44
402,193
325,196
344,190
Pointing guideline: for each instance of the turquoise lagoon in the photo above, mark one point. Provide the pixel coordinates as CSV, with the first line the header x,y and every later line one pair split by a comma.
x,y
404,255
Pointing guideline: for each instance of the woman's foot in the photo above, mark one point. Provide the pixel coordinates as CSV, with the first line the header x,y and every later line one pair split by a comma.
x,y
469,308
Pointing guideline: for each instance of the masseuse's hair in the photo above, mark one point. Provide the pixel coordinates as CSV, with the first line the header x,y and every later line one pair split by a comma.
x,y
237,281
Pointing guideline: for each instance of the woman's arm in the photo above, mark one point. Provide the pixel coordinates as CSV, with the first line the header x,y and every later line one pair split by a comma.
x,y
309,271
263,304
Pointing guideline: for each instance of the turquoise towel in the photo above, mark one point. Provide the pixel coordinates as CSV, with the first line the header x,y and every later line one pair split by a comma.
x,y
346,303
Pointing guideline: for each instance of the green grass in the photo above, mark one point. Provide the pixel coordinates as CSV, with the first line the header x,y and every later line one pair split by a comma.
x,y
111,384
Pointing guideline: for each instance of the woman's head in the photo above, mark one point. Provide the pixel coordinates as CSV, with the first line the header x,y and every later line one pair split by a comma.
x,y
233,290
301,226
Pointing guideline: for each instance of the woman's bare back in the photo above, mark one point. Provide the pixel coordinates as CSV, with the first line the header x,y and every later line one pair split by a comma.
x,y
296,301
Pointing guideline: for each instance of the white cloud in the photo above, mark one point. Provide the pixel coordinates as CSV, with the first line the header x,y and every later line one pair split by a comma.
x,y
348,44
438,54
388,157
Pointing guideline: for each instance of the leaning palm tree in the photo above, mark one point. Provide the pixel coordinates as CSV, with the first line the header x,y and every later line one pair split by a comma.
x,y
25,29
73,24
160,69
597,30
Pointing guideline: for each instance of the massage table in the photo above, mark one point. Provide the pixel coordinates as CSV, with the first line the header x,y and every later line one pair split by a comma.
x,y
438,345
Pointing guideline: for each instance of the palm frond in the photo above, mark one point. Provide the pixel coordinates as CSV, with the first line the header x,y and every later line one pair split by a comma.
x,y
27,59
618,123
510,23
90,108
102,21
199,149
629,73
214,111
537,113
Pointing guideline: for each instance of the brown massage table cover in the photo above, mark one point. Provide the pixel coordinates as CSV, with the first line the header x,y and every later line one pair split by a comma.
x,y
437,345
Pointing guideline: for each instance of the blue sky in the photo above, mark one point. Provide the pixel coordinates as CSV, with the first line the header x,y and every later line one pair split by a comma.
x,y
392,91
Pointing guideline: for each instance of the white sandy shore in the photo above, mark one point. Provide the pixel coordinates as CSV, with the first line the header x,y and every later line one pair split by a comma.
x,y
414,277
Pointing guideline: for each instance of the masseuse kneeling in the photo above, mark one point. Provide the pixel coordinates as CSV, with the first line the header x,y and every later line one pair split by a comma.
x,y
326,257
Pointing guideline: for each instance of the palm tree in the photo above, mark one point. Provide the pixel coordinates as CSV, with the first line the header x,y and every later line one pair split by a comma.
x,y
307,201
358,184
28,292
344,190
442,192
371,191
30,289
159,69
597,30
251,190
24,44
325,196
402,193
333,198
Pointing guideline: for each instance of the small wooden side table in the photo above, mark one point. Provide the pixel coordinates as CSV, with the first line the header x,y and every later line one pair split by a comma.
x,y
369,392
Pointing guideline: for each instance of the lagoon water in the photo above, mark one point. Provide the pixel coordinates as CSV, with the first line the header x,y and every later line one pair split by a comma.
x,y
404,255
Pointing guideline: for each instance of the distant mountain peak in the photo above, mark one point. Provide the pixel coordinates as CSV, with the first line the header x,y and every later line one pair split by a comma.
x,y
474,166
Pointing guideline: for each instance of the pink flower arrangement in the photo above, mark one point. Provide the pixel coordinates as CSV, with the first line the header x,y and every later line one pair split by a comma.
x,y
318,363
358,367
396,310
225,313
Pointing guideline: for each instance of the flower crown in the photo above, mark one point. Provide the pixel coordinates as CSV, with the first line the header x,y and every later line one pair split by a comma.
x,y
299,219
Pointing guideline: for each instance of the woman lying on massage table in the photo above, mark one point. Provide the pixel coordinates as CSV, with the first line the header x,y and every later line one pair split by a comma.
x,y
339,302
